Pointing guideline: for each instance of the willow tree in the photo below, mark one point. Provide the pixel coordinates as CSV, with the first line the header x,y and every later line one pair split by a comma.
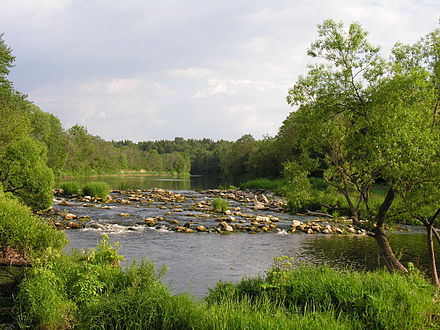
x,y
23,168
363,120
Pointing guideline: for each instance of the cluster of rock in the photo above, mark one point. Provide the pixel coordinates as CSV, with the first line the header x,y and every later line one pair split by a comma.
x,y
262,200
196,214
314,227
62,220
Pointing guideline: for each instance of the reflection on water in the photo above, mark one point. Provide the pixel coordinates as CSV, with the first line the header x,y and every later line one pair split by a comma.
x,y
193,182
362,253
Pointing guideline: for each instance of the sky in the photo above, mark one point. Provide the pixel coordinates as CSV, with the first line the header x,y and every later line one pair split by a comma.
x,y
149,70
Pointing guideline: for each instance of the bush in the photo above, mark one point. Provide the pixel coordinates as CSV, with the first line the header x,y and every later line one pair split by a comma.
x,y
97,189
70,188
219,204
25,233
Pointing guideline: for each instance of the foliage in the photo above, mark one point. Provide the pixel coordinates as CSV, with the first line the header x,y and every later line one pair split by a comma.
x,y
219,204
89,291
276,185
360,120
375,300
70,188
23,168
46,128
58,288
25,233
96,189
41,301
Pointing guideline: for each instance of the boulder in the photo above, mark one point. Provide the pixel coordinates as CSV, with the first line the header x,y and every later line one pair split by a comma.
x,y
262,219
69,216
224,226
150,222
296,224
259,206
264,199
201,228
338,230
73,225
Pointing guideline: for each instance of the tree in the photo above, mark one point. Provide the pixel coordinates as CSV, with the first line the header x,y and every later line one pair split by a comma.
x,y
234,158
47,128
23,168
6,60
363,120
422,193
23,172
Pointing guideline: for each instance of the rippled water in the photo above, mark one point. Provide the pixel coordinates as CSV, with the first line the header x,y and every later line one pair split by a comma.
x,y
197,261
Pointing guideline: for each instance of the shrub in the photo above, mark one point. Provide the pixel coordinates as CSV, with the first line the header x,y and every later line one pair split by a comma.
x,y
96,189
70,188
24,232
219,204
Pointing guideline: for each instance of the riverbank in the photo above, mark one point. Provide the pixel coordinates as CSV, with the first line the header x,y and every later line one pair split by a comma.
x,y
89,291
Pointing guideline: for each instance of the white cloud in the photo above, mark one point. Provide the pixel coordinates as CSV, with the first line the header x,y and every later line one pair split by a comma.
x,y
158,69
190,73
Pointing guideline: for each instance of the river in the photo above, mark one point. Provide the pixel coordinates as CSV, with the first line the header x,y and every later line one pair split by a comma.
x,y
197,261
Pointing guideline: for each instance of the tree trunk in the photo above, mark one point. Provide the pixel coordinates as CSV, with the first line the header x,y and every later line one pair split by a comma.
x,y
386,252
431,250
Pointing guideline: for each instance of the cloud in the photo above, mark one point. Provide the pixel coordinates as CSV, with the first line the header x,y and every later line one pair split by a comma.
x,y
158,69
189,73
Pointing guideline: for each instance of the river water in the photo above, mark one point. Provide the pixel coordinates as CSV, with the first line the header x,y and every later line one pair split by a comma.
x,y
197,261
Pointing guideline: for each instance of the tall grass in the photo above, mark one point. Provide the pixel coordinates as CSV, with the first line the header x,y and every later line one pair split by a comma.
x,y
70,188
379,300
96,189
89,291
264,183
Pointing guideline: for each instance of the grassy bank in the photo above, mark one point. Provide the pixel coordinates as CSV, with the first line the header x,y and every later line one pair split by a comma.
x,y
275,185
89,291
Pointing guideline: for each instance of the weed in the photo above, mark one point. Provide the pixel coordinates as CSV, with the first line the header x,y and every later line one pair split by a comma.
x,y
219,204
96,189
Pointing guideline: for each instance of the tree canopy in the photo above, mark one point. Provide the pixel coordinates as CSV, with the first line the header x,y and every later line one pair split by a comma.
x,y
362,118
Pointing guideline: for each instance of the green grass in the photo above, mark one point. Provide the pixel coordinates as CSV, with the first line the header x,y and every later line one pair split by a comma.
x,y
97,190
264,183
219,204
70,188
25,233
379,300
88,291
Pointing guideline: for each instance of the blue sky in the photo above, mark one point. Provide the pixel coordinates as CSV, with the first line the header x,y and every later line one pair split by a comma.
x,y
147,70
